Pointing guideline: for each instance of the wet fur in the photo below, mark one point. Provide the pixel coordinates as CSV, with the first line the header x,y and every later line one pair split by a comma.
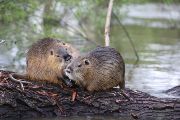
x,y
106,70
43,63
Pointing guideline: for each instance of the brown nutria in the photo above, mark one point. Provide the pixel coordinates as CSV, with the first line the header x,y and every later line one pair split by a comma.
x,y
101,69
46,60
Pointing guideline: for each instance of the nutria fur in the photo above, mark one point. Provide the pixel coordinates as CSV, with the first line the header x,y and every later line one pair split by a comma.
x,y
101,69
46,60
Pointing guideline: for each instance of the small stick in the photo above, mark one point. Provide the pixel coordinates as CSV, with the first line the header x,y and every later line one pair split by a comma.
x,y
19,81
74,94
128,36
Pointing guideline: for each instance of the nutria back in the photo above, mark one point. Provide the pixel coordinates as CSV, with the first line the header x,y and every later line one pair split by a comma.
x,y
47,58
100,69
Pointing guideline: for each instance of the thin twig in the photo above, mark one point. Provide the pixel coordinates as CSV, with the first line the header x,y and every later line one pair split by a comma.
x,y
20,81
77,32
108,21
127,34
82,32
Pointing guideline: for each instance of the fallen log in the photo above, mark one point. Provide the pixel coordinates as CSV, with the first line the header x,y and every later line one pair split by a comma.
x,y
46,100
174,91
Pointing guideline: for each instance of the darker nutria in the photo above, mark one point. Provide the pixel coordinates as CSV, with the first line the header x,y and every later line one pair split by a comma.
x,y
46,60
101,69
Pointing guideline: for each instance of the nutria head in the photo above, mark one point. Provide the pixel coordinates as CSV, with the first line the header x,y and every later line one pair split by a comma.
x,y
60,54
79,69
46,60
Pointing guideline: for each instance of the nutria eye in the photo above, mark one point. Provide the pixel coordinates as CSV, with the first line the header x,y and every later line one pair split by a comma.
x,y
87,62
51,52
79,65
57,56
63,43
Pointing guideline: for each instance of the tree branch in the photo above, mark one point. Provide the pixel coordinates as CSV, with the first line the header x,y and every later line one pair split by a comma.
x,y
47,100
107,25
128,36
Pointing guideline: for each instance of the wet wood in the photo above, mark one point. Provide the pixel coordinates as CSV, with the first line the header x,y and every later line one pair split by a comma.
x,y
174,91
45,100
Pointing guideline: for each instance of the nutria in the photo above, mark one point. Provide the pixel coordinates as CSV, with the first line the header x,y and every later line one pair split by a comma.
x,y
101,69
46,60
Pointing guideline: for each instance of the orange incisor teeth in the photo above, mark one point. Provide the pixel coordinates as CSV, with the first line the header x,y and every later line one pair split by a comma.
x,y
74,94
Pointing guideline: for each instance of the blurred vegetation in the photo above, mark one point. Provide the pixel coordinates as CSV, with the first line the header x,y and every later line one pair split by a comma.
x,y
57,18
25,21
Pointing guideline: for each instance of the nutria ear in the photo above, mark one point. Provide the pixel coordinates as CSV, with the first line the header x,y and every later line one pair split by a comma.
x,y
87,62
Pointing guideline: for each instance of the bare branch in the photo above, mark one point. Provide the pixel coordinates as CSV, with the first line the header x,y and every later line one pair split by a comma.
x,y
82,30
79,33
107,25
128,36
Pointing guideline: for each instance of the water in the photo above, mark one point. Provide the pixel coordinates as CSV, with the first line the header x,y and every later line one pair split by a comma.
x,y
158,46
159,52
152,15
157,70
